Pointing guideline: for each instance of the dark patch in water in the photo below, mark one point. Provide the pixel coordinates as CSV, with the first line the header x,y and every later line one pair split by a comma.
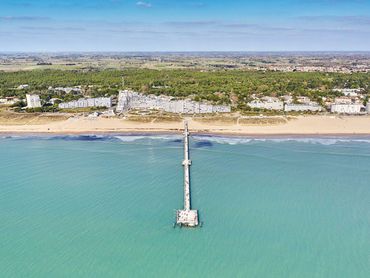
x,y
82,138
176,141
203,144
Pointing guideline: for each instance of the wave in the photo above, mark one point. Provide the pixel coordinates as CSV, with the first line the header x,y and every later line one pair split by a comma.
x,y
308,140
134,138
9,137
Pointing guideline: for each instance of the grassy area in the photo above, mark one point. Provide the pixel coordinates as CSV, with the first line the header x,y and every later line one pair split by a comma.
x,y
263,121
224,120
11,118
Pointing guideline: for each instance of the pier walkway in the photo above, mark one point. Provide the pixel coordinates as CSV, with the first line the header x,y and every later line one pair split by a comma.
x,y
187,217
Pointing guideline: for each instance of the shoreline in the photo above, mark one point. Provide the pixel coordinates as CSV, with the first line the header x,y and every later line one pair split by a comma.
x,y
194,133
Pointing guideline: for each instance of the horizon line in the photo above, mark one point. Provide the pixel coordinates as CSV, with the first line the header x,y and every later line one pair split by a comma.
x,y
185,51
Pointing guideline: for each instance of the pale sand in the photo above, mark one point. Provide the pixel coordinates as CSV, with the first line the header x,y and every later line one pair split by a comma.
x,y
303,125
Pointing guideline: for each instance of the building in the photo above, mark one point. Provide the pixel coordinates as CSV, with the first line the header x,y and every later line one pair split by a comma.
x,y
33,101
67,90
269,103
346,108
304,100
84,103
312,107
9,100
344,100
128,100
349,92
22,87
55,100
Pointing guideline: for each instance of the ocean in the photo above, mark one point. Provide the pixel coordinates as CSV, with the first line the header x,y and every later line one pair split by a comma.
x,y
104,206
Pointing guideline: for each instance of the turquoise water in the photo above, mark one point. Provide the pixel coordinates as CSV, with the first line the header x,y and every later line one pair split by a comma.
x,y
104,207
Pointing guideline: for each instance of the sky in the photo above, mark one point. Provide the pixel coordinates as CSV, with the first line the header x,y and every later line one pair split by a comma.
x,y
184,25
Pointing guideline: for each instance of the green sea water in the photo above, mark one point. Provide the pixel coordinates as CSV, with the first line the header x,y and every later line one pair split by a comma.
x,y
89,206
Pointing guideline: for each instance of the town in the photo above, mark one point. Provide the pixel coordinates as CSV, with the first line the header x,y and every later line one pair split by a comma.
x,y
340,62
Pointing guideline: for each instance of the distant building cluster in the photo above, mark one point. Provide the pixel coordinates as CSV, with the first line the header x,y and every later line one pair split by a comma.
x,y
132,100
88,102
350,103
33,101
314,68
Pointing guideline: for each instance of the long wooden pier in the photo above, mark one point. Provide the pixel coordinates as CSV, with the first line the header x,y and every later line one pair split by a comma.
x,y
187,217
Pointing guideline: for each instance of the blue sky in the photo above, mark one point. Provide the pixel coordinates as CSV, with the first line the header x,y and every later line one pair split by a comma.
x,y
184,25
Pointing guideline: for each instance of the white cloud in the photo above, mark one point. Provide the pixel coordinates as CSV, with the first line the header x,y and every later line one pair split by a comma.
x,y
143,4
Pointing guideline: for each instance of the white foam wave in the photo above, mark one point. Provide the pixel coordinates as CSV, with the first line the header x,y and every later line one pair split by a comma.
x,y
223,140
309,140
134,138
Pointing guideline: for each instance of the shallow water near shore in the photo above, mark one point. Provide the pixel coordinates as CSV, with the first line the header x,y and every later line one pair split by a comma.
x,y
104,206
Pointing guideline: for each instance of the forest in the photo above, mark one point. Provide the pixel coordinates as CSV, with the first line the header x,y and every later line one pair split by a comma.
x,y
226,86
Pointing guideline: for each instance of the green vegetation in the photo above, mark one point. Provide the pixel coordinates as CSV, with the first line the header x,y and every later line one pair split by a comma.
x,y
231,86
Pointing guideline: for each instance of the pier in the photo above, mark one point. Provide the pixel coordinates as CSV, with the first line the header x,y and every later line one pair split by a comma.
x,y
187,217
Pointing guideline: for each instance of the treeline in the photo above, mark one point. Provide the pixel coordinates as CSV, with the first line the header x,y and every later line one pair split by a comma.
x,y
216,86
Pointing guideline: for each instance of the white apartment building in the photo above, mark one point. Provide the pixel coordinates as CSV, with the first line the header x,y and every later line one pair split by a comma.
x,y
90,102
33,101
132,100
313,107
345,108
269,103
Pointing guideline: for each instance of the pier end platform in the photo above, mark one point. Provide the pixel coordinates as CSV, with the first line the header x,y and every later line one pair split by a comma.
x,y
187,218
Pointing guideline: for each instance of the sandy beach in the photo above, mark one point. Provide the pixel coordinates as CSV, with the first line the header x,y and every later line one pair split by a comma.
x,y
302,125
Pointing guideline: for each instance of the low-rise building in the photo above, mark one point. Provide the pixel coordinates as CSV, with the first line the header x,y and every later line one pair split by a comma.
x,y
304,100
90,102
349,92
344,100
9,100
33,101
55,100
348,108
67,90
84,103
269,103
23,86
311,107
